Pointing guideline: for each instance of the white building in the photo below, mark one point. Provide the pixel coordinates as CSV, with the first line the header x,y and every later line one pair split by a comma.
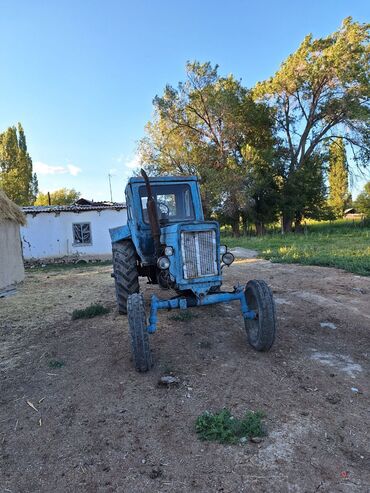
x,y
75,231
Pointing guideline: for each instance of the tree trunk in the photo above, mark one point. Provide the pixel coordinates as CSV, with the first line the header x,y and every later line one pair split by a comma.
x,y
298,228
235,225
287,222
260,228
245,225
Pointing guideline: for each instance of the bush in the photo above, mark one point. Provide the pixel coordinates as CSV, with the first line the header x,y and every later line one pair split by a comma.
x,y
91,311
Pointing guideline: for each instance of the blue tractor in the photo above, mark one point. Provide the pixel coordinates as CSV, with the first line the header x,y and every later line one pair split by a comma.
x,y
167,240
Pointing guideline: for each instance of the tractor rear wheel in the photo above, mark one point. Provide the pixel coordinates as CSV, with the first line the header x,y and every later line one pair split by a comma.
x,y
124,272
139,336
262,330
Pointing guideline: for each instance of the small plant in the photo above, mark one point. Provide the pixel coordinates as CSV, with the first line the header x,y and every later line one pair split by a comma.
x,y
183,316
91,311
54,363
223,427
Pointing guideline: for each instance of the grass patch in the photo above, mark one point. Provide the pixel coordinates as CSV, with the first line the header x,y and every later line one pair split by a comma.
x,y
338,244
183,316
91,311
67,266
54,363
223,427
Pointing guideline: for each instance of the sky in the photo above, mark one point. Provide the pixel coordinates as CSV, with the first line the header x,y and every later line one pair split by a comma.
x,y
81,75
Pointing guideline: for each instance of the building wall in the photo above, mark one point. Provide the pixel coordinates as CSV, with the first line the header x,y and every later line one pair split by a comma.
x,y
11,262
50,235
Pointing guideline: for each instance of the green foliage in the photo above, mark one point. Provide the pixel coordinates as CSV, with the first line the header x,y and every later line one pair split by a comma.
x,y
340,244
213,123
91,311
16,173
320,92
63,196
54,363
338,177
362,203
222,427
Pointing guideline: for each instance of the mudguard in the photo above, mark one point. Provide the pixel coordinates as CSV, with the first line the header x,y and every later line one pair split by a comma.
x,y
120,233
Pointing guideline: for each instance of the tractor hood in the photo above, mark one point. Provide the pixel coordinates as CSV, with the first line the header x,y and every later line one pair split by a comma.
x,y
170,232
195,259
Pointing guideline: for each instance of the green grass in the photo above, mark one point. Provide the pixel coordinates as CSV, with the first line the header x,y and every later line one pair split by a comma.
x,y
54,363
90,311
67,266
338,244
223,427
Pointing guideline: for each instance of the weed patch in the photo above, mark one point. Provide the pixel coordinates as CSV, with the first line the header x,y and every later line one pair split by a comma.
x,y
223,427
54,363
90,312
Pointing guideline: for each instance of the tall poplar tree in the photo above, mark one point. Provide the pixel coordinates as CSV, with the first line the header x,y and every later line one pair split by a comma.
x,y
338,177
17,178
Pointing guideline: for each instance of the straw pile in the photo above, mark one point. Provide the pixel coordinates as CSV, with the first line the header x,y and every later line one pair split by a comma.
x,y
9,211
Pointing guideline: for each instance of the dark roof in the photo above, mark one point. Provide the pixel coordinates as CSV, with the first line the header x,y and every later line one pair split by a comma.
x,y
56,209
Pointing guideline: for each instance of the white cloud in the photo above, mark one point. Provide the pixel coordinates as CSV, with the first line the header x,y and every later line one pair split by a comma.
x,y
73,170
47,169
129,162
133,163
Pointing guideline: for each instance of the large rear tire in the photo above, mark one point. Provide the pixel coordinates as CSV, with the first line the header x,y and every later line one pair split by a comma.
x,y
125,272
139,336
261,331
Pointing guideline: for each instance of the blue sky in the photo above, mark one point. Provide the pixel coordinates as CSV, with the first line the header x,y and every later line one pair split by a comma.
x,y
81,75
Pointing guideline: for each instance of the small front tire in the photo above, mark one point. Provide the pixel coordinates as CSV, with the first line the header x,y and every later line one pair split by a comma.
x,y
139,337
261,331
125,272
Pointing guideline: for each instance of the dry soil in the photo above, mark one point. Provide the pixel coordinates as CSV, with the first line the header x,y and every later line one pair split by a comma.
x,y
101,427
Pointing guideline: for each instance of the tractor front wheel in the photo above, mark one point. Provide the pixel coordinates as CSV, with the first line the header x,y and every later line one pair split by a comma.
x,y
261,331
125,272
139,336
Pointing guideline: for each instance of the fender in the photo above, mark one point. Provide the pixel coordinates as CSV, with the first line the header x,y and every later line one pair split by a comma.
x,y
120,233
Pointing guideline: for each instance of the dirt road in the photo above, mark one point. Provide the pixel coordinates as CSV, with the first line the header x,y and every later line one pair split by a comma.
x,y
102,427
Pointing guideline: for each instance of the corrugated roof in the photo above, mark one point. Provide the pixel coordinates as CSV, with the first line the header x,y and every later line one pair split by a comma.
x,y
56,209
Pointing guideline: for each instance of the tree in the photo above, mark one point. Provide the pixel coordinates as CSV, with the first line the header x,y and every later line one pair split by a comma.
x,y
210,126
321,92
338,177
16,173
63,196
362,203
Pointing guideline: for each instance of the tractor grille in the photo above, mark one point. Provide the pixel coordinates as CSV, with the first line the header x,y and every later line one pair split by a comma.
x,y
199,255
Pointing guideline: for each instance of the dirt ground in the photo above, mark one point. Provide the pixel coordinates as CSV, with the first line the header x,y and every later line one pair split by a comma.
x,y
102,427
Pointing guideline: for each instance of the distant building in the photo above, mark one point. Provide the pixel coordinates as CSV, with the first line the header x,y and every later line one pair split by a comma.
x,y
71,231
352,214
11,261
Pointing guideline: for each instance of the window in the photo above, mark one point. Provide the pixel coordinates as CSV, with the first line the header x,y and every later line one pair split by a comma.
x,y
81,234
174,202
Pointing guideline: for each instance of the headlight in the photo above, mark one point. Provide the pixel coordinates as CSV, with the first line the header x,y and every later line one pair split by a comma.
x,y
168,251
228,258
163,263
223,249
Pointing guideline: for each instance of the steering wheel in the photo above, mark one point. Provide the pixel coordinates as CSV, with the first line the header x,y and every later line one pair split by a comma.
x,y
163,208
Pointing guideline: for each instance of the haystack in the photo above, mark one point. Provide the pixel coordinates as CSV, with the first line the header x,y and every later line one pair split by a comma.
x,y
11,259
9,211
